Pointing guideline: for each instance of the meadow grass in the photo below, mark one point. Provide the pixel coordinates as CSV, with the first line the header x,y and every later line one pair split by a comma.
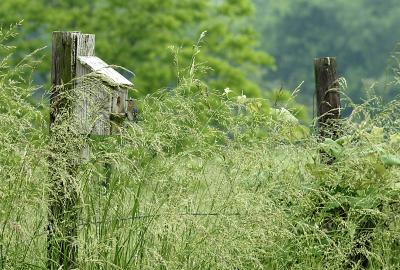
x,y
204,180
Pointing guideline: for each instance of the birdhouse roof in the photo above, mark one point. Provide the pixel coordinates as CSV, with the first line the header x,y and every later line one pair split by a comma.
x,y
105,72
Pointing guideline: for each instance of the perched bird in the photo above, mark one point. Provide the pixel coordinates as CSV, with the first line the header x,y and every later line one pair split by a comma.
x,y
132,111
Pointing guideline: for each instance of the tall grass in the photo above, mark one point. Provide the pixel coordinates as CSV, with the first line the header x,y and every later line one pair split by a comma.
x,y
204,180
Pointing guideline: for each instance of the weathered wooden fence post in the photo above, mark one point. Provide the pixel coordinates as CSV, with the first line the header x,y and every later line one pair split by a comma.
x,y
63,211
88,98
328,98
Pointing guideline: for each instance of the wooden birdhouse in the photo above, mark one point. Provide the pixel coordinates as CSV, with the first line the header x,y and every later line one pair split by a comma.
x,y
99,92
106,96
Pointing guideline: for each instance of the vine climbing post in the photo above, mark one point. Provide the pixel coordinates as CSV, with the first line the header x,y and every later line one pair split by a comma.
x,y
328,97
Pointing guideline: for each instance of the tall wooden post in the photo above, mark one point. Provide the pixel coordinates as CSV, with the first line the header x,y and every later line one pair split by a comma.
x,y
63,194
328,98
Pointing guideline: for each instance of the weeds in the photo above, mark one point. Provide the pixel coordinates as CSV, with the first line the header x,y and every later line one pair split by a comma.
x,y
205,181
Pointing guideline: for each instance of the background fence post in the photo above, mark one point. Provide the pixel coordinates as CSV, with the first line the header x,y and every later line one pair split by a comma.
x,y
328,98
63,195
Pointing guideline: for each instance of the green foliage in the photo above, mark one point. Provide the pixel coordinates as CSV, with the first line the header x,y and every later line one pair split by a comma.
x,y
23,130
362,34
136,35
205,179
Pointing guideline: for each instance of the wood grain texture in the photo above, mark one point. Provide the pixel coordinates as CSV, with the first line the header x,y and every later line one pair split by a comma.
x,y
105,93
105,72
63,197
82,95
62,71
327,94
92,104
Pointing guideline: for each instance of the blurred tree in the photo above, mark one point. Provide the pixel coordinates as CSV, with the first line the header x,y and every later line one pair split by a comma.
x,y
360,33
136,34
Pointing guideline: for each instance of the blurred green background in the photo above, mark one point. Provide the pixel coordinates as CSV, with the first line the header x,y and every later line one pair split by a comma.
x,y
251,46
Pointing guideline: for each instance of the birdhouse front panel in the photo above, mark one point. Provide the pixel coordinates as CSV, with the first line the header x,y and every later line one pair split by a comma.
x,y
118,103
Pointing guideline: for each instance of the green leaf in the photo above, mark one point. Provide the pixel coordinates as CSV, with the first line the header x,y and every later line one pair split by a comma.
x,y
343,140
390,160
332,148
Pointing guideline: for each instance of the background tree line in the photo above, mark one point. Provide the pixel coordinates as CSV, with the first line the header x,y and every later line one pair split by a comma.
x,y
137,34
362,34
252,46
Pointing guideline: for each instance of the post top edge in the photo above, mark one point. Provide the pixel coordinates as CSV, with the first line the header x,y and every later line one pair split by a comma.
x,y
71,32
326,57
